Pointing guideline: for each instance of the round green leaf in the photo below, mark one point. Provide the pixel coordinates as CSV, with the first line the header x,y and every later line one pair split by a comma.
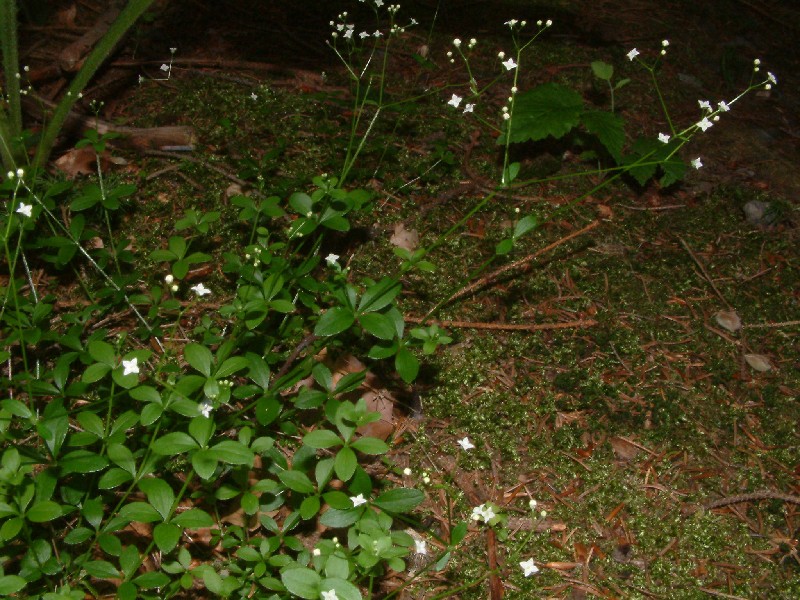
x,y
302,582
11,584
166,536
309,507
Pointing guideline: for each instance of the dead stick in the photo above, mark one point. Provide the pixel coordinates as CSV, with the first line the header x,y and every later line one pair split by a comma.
x,y
762,325
703,271
506,326
520,264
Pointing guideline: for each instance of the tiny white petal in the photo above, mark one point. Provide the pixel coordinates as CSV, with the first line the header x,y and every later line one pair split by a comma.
x,y
331,259
200,289
663,138
772,78
205,408
25,209
420,547
633,54
697,163
723,106
704,105
468,108
330,595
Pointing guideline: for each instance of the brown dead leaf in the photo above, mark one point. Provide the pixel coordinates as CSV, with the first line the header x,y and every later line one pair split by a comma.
x,y
623,449
79,161
408,239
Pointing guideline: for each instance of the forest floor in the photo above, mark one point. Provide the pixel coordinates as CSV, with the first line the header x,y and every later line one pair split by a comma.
x,y
605,377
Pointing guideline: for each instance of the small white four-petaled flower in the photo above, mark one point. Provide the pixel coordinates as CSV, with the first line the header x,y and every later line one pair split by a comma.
x,y
130,367
509,64
697,163
329,595
205,408
331,259
633,54
455,100
705,124
466,444
528,567
358,500
200,289
484,512
25,209
663,138
468,108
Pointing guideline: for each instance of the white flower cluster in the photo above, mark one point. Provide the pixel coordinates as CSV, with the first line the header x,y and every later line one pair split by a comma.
x,y
484,513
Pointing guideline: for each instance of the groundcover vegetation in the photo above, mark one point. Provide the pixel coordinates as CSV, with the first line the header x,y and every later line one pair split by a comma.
x,y
458,317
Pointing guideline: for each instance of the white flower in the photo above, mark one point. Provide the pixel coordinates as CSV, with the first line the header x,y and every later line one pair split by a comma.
x,y
509,64
633,54
697,163
331,259
205,408
363,35
378,3
663,138
472,42
420,547
528,568
358,500
164,68
316,552
468,108
457,43
377,34
501,55
705,105
25,209
130,367
20,173
664,43
200,289
407,471
455,101
168,279
704,124
466,444
484,512
723,106
548,23
10,174
347,35
329,595
757,62
772,78
254,96
511,23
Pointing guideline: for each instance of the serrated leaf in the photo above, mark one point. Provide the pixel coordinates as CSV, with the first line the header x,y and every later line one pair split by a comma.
x,y
547,110
609,129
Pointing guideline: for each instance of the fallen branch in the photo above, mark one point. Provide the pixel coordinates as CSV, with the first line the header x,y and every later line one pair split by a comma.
x,y
523,264
506,326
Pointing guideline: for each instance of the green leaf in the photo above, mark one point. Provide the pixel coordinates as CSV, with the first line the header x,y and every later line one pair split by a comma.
x,y
297,482
11,528
399,500
322,438
101,569
524,225
152,580
43,512
547,110
193,519
11,584
377,324
406,364
334,320
159,495
103,352
82,461
166,536
121,456
301,203
379,295
202,428
91,423
609,129
458,533
112,478
345,463
602,70
504,247
78,535
302,582
370,445
233,453
141,512
199,357
95,372
337,519
174,443
204,463
309,507
231,366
